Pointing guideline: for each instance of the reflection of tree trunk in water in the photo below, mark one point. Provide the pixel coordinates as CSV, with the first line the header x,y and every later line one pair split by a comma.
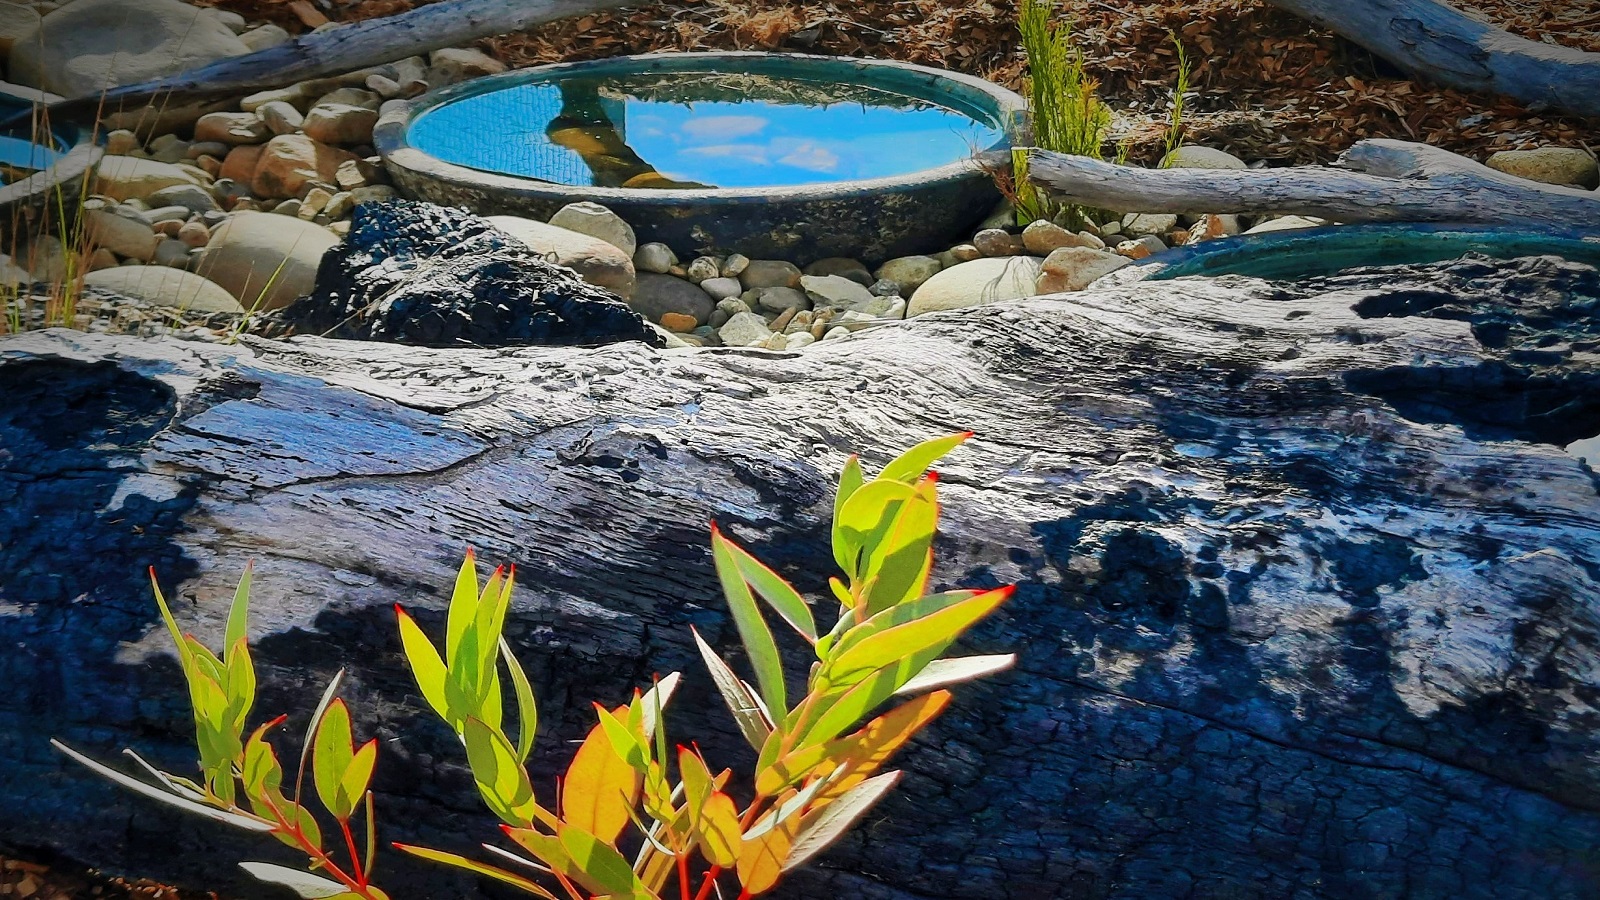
x,y
587,129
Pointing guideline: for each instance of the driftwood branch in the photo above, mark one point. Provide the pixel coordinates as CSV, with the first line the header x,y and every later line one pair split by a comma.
x,y
1374,181
1432,40
348,48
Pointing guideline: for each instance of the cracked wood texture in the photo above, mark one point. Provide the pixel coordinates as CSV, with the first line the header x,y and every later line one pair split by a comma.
x,y
1309,604
1376,180
1434,40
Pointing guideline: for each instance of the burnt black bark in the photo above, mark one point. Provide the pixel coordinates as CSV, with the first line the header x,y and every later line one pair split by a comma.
x,y
1296,618
416,273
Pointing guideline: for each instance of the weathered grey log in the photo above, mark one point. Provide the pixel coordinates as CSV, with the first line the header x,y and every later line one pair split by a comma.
x,y
24,204
1437,42
1374,181
1309,605
357,45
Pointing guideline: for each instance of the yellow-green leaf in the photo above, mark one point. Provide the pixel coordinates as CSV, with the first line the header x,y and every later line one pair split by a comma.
x,y
895,616
850,481
463,606
502,781
627,745
717,827
239,613
353,784
779,594
261,771
426,666
598,866
527,709
758,642
909,466
865,516
331,757
897,643
898,565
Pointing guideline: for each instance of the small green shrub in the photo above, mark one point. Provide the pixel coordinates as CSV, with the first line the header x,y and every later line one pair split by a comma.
x,y
1064,101
1178,108
629,819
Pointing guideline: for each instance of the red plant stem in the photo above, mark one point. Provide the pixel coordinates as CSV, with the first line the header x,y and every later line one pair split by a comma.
x,y
683,875
711,880
744,895
355,855
315,852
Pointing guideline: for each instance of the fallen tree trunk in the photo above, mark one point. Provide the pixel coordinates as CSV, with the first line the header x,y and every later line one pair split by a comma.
x,y
358,45
1433,40
1374,181
1307,606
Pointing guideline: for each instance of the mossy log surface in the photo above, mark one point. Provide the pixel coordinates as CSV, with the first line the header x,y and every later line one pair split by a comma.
x,y
1309,605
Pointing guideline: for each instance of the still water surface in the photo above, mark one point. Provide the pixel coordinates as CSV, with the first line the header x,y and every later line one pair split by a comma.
x,y
697,130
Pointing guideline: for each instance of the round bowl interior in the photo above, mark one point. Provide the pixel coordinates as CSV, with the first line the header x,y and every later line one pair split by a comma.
x,y
872,219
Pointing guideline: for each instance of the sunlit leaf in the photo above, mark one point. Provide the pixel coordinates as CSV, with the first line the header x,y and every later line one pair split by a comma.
x,y
332,757
778,593
901,641
740,701
180,786
239,613
651,704
172,627
598,866
304,884
865,516
850,481
959,670
463,605
261,771
862,753
238,820
899,563
501,779
909,466
527,709
306,747
426,665
353,784
761,860
627,745
240,685
718,830
824,828
896,616
600,787
478,868
758,643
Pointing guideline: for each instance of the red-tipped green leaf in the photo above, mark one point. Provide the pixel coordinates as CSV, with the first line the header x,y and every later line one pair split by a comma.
x,y
909,466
